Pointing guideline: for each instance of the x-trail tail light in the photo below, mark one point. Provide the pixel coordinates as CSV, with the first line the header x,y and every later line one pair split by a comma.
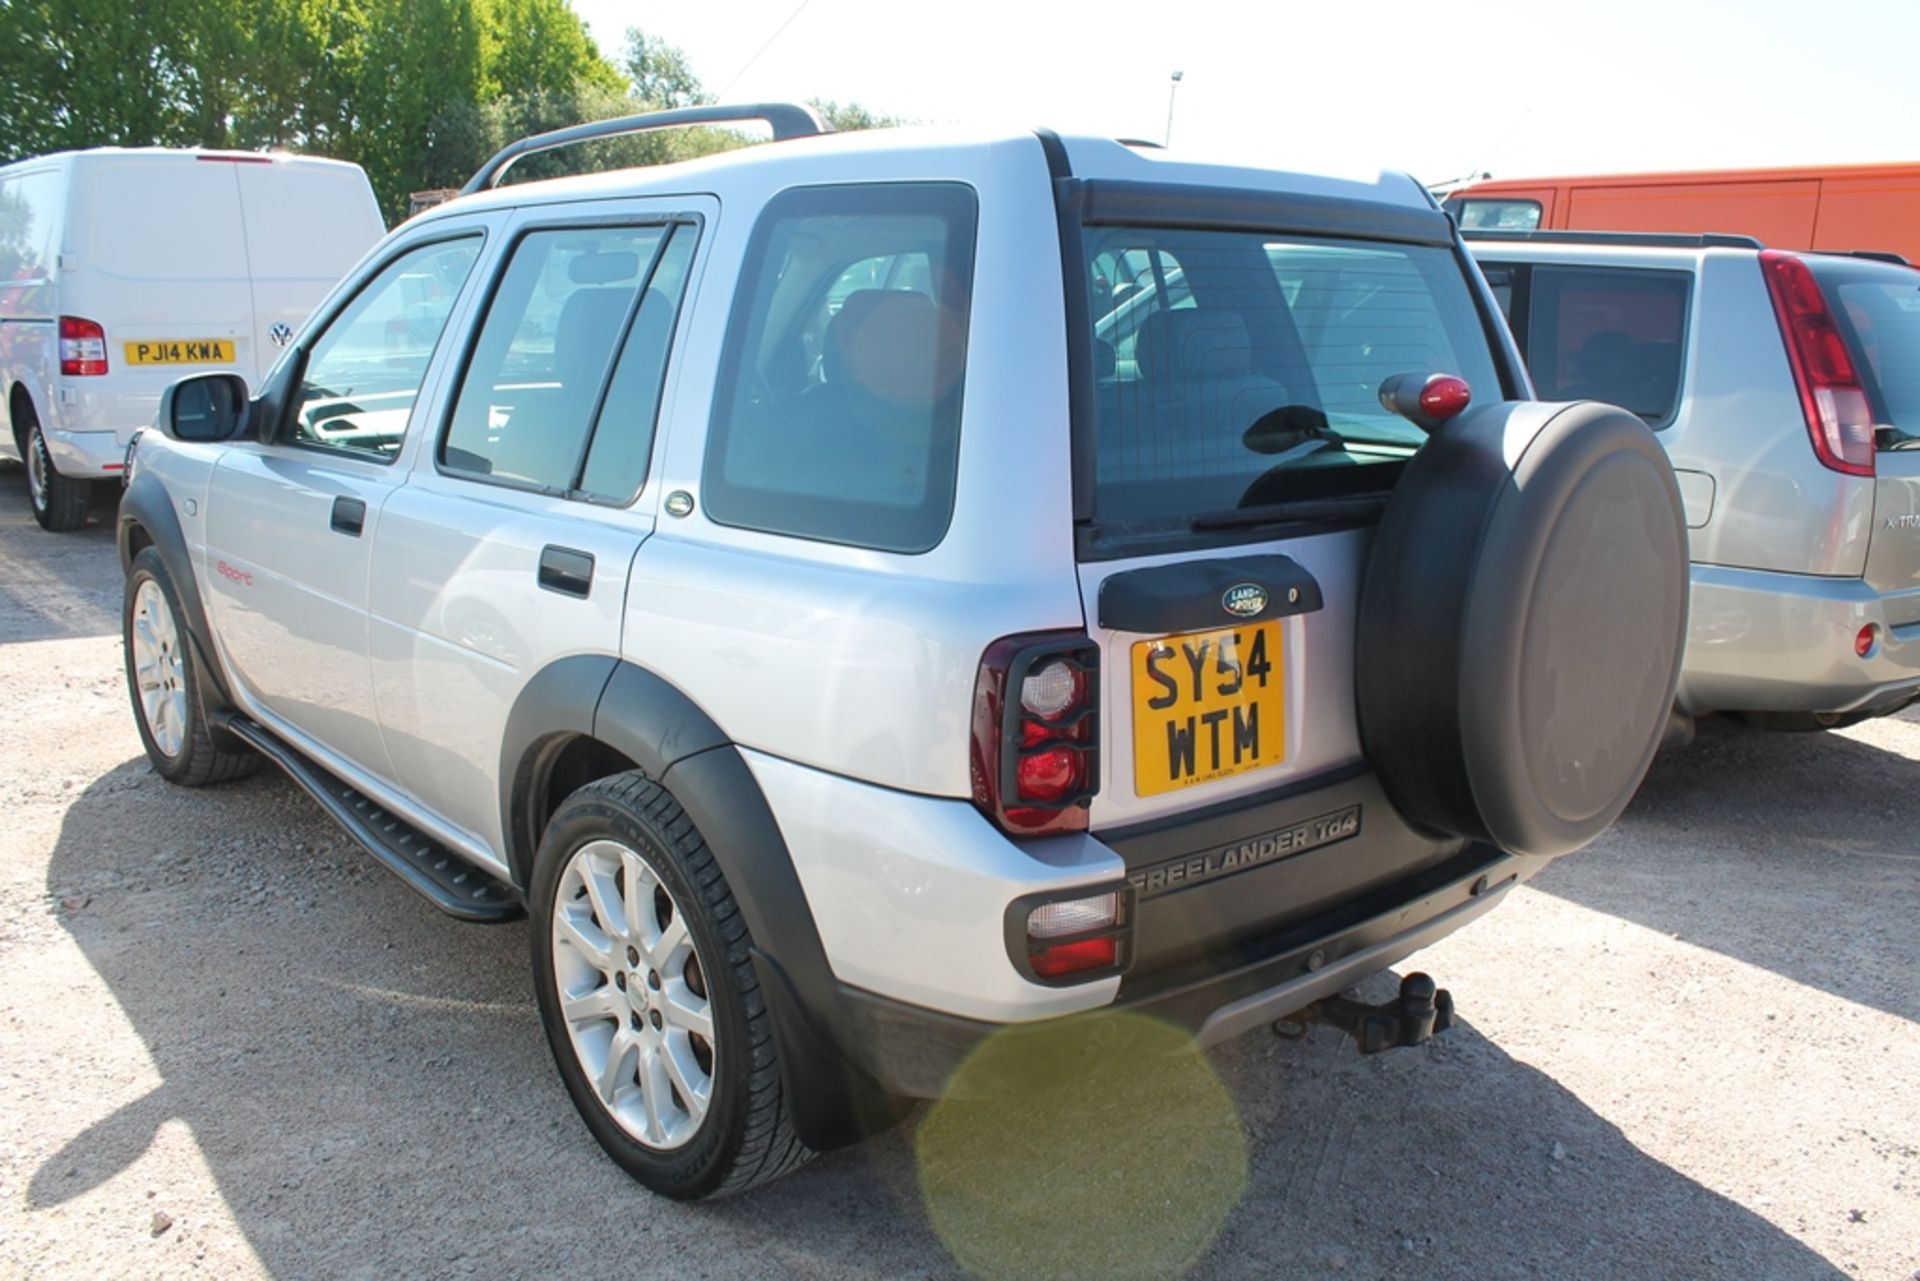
x,y
1036,733
1831,395
83,348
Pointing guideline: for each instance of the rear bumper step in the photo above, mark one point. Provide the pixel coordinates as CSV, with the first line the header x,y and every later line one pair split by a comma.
x,y
445,879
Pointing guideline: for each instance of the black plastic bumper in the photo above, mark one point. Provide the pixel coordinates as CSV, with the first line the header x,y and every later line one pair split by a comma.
x,y
913,1051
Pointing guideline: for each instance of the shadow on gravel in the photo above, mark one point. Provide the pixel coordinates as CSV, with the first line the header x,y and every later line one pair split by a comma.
x,y
55,586
1709,855
368,1084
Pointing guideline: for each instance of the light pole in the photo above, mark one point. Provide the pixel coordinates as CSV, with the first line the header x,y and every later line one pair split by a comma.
x,y
1173,87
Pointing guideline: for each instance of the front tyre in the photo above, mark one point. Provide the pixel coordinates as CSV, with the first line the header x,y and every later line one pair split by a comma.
x,y
59,502
648,994
164,683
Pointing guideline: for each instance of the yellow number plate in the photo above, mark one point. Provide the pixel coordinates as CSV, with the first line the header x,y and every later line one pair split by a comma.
x,y
1207,706
181,351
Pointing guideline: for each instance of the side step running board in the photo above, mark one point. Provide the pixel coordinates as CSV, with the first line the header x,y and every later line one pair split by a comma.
x,y
452,884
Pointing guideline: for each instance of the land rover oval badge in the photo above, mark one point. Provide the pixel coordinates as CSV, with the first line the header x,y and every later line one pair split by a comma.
x,y
1245,600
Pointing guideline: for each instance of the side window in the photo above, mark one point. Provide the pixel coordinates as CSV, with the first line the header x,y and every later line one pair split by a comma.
x,y
29,215
1608,334
363,373
852,436
1497,215
543,371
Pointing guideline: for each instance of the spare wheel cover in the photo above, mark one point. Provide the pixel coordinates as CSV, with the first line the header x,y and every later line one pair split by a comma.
x,y
1529,584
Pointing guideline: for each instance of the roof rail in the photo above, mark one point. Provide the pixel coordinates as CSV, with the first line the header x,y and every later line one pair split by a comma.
x,y
1633,239
1875,255
787,119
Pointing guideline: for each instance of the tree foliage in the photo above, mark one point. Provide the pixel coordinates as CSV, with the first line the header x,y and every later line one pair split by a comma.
x,y
418,92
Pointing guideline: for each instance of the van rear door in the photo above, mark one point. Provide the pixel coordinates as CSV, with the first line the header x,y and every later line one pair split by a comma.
x,y
159,261
1878,308
307,222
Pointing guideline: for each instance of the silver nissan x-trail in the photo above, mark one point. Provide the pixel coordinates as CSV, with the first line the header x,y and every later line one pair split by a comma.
x,y
862,596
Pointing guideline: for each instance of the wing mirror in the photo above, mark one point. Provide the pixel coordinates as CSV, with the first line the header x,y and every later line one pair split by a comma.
x,y
204,407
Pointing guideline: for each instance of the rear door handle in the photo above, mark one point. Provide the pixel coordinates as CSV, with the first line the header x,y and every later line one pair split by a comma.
x,y
349,516
564,570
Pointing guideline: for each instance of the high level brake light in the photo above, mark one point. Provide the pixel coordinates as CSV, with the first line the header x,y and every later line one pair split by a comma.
x,y
83,348
1036,733
1831,396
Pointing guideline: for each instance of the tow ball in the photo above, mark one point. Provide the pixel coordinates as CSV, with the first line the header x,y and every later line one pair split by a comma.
x,y
1416,1014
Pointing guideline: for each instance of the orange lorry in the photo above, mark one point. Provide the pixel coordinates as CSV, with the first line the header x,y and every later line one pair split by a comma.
x,y
1851,207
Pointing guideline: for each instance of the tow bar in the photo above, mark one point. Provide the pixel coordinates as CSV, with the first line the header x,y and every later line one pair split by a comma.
x,y
1415,1015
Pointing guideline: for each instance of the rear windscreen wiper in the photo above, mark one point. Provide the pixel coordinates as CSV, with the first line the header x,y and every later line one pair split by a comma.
x,y
1359,508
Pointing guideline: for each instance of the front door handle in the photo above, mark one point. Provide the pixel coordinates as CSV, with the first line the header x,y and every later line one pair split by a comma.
x,y
564,570
349,516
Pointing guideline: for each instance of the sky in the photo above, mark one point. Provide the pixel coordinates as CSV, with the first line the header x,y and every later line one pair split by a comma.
x,y
1518,88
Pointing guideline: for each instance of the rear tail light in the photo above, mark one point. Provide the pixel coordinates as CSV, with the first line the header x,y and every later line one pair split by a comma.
x,y
83,348
1058,940
1036,733
1831,395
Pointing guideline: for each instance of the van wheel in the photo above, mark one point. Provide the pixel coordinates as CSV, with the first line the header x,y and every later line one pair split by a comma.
x,y
163,680
643,969
59,502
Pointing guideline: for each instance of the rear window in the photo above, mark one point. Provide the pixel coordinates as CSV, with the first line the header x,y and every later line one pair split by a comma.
x,y
1236,369
1880,311
838,413
1607,334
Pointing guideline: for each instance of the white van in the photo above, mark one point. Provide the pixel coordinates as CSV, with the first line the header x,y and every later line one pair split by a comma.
x,y
121,269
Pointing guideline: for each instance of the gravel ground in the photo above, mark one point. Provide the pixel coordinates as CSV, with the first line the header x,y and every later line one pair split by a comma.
x,y
232,1045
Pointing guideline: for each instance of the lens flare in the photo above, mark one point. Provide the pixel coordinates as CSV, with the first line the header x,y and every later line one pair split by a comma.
x,y
1101,1146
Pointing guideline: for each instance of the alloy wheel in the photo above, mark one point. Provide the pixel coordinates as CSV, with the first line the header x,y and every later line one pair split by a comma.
x,y
37,467
159,668
633,994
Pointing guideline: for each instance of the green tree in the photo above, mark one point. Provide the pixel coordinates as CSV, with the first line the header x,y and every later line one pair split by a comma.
x,y
660,74
850,116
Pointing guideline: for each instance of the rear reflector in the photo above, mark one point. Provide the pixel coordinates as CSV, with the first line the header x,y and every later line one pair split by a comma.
x,y
83,348
1832,398
1869,636
1072,958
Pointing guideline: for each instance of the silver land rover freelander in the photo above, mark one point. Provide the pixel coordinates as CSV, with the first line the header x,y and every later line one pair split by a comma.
x,y
865,595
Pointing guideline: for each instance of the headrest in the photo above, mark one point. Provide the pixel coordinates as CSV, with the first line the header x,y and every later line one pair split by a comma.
x,y
894,344
1189,345
603,268
584,335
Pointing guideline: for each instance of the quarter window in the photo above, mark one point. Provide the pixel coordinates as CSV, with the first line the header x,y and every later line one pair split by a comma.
x,y
363,374
544,403
838,414
1607,334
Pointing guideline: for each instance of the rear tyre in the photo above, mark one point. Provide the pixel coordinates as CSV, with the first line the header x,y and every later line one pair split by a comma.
x,y
164,682
643,969
59,502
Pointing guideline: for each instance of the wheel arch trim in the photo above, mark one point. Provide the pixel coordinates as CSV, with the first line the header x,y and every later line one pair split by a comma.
x,y
668,737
